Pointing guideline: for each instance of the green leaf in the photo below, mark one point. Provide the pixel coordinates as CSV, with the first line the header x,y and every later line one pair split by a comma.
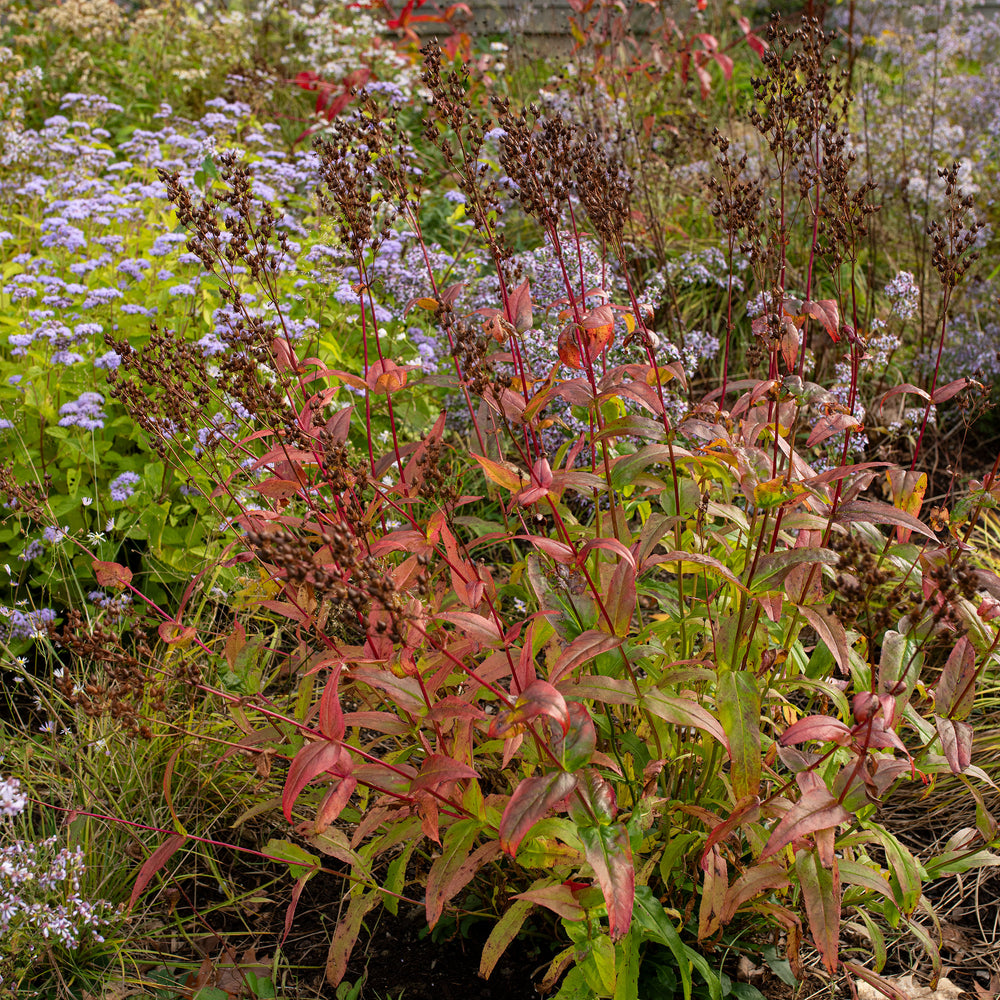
x,y
504,931
655,924
739,712
300,862
627,963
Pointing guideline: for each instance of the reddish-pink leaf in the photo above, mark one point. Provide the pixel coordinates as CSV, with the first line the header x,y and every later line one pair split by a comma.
x,y
538,698
520,307
830,629
452,707
816,727
956,689
311,761
334,803
404,691
112,574
829,425
816,810
746,811
559,898
956,742
437,769
884,986
945,392
531,800
331,713
473,625
751,883
821,894
609,853
154,863
346,934
560,551
619,601
480,857
904,388
584,648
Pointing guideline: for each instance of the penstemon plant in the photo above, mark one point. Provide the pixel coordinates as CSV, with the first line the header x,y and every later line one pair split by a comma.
x,y
655,677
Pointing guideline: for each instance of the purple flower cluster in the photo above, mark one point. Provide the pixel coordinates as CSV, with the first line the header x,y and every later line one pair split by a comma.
x,y
25,624
123,486
86,411
40,888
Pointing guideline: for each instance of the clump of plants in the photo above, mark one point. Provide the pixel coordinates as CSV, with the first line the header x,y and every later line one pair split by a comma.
x,y
509,606
657,678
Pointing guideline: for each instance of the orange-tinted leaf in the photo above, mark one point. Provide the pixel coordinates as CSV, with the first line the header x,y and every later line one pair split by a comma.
x,y
386,376
559,898
816,810
508,476
821,894
908,489
828,313
595,334
531,800
112,574
174,632
609,853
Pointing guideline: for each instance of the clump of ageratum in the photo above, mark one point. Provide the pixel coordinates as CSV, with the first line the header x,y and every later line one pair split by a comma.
x,y
41,899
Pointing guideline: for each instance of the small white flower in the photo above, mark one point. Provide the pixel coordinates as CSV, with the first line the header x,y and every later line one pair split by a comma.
x,y
87,501
96,537
110,526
